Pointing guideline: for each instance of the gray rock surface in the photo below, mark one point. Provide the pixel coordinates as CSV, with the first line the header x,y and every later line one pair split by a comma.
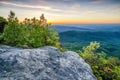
x,y
46,63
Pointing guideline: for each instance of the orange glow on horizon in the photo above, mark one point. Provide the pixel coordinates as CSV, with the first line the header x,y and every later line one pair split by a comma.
x,y
98,21
83,21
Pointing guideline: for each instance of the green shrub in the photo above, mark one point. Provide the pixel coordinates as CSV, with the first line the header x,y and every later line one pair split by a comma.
x,y
105,68
32,33
3,22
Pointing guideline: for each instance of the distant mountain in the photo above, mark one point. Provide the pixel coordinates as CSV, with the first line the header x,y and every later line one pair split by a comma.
x,y
64,28
75,40
77,36
88,27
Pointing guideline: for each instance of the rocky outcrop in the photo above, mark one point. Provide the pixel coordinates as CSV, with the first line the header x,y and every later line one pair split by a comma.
x,y
46,63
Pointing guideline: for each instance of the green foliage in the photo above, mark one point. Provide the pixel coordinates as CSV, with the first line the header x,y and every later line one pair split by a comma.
x,y
12,18
11,33
105,68
91,48
117,72
30,33
3,22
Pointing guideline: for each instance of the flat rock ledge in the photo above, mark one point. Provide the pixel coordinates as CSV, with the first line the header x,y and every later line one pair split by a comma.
x,y
46,63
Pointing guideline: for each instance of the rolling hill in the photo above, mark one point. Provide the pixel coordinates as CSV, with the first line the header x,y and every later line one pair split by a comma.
x,y
75,40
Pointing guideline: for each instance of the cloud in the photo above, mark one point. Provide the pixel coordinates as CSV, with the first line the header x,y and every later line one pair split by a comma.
x,y
76,6
90,12
30,6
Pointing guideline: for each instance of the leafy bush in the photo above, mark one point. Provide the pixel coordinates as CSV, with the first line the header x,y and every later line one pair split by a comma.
x,y
3,22
105,68
30,33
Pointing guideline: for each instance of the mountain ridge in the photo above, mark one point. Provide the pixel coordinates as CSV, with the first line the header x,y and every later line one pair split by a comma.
x,y
75,40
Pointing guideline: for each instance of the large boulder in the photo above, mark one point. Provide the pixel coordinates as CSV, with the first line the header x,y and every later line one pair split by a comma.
x,y
46,63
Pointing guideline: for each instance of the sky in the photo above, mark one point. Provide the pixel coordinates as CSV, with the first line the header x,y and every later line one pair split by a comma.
x,y
64,11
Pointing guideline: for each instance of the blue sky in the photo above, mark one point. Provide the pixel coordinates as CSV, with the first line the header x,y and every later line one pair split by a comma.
x,y
65,11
